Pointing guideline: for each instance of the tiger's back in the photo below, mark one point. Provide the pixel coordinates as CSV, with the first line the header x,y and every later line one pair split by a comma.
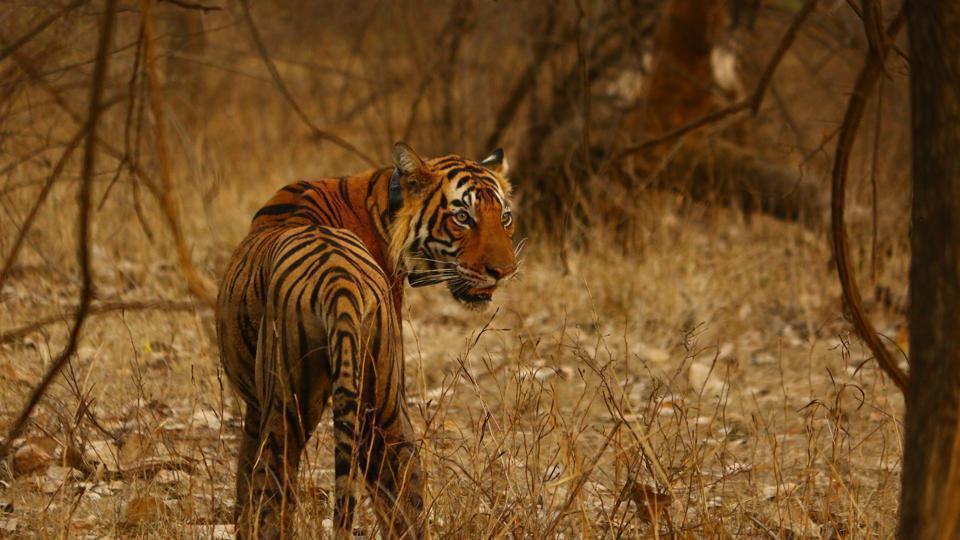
x,y
240,304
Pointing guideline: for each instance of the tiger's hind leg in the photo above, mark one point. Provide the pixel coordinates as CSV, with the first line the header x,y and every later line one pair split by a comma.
x,y
374,439
239,313
343,302
249,441
294,386
390,462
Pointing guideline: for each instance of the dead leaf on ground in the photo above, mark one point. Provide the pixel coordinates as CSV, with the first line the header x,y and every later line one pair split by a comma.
x,y
84,524
704,377
10,373
145,509
650,502
32,457
136,448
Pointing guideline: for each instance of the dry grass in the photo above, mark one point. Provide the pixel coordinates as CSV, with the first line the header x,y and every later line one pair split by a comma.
x,y
703,385
719,349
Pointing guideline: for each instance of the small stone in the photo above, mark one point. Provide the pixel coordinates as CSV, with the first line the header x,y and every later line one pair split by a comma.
x,y
650,354
102,452
207,419
9,525
63,474
169,477
782,490
222,532
703,378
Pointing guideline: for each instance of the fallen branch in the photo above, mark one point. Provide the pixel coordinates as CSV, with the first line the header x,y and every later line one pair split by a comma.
x,y
282,87
83,240
872,69
9,336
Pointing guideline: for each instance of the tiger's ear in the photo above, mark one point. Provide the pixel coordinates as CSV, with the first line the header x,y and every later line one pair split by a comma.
x,y
416,173
405,159
496,162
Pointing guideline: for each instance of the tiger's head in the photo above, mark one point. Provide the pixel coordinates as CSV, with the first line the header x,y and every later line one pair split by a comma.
x,y
455,224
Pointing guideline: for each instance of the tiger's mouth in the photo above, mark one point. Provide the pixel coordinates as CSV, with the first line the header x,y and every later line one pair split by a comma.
x,y
473,297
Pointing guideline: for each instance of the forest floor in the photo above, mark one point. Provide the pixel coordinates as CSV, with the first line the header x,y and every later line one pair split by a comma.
x,y
704,386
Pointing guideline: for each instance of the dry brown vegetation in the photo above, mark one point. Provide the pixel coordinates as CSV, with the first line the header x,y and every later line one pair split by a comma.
x,y
662,367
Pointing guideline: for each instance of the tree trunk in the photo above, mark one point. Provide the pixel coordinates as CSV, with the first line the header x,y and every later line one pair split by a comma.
x,y
930,496
682,87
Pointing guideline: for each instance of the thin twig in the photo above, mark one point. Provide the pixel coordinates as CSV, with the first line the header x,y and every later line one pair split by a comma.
x,y
874,172
584,476
83,247
752,102
582,60
191,5
282,87
872,69
9,336
36,30
527,81
859,13
41,199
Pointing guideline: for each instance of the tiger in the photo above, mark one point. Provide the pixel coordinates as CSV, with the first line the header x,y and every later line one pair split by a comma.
x,y
309,311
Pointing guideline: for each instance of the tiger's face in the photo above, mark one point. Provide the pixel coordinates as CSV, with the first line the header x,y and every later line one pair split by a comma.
x,y
460,231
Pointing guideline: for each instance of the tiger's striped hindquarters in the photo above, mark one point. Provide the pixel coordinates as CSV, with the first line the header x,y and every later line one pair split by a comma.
x,y
328,329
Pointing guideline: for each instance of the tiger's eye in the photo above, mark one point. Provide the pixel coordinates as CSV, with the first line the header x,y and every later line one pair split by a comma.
x,y
463,217
506,218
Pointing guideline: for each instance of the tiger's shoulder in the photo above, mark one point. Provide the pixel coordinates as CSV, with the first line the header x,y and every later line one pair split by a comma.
x,y
284,204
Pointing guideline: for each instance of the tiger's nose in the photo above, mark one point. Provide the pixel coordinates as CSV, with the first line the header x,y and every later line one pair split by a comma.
x,y
500,272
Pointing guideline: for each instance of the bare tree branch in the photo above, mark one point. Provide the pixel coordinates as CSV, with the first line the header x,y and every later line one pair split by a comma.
x,y
83,240
526,82
191,5
9,336
872,69
282,87
35,209
36,30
